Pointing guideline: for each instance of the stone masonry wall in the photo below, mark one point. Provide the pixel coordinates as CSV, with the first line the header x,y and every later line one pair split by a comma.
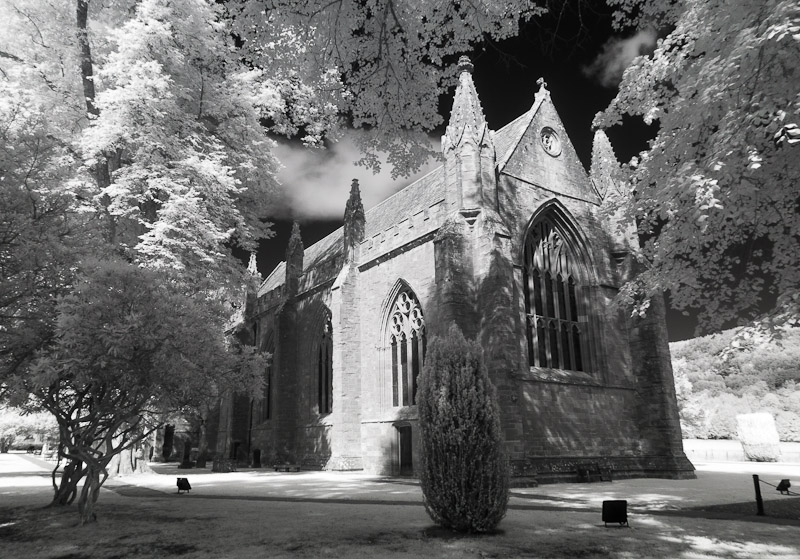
x,y
381,280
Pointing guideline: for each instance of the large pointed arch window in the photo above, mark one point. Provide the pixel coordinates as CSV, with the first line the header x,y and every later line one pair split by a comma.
x,y
555,331
265,405
406,335
325,368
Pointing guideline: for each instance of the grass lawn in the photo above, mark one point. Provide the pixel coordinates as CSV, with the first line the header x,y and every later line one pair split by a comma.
x,y
290,515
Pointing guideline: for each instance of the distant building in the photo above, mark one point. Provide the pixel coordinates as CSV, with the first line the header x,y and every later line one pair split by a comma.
x,y
506,239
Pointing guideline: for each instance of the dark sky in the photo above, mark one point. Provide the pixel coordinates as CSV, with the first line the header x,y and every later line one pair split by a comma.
x,y
505,77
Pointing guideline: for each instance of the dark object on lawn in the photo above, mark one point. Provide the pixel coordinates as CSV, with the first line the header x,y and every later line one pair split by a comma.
x,y
183,485
593,472
286,467
615,511
784,486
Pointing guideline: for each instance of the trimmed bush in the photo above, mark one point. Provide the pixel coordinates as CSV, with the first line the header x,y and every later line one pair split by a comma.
x,y
464,471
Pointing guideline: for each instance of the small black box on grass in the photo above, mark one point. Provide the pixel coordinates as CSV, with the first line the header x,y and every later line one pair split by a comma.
x,y
183,485
615,511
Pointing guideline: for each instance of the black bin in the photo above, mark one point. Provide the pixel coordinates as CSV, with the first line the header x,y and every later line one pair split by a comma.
x,y
615,512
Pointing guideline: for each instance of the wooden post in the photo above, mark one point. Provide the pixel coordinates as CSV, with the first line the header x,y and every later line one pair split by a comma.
x,y
759,501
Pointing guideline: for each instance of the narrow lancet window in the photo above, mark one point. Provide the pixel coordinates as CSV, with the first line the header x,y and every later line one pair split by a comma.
x,y
576,343
325,369
554,363
565,346
541,337
265,405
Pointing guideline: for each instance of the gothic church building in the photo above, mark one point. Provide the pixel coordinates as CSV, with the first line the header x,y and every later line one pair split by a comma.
x,y
507,239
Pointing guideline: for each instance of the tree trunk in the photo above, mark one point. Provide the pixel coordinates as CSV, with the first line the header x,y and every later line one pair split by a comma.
x,y
111,161
87,71
169,441
158,445
89,494
186,462
202,445
128,461
67,489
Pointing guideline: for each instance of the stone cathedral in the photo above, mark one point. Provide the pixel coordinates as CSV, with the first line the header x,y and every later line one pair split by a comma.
x,y
507,239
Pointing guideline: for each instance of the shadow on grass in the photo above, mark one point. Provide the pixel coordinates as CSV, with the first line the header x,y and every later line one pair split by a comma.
x,y
446,534
774,509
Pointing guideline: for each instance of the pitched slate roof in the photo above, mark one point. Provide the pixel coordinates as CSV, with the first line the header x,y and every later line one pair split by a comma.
x,y
508,137
320,258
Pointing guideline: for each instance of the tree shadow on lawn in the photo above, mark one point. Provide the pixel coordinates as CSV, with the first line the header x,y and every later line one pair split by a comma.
x,y
781,511
442,533
787,509
138,529
36,473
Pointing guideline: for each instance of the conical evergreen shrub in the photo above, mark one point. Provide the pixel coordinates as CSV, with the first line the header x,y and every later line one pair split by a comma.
x,y
464,471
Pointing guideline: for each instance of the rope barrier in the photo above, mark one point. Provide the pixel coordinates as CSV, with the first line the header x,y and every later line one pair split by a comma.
x,y
788,492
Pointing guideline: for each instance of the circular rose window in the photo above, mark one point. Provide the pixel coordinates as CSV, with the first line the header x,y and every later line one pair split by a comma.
x,y
550,141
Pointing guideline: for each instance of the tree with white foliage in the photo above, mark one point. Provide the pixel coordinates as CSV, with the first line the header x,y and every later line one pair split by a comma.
x,y
715,195
129,346
151,127
16,425
153,99
383,63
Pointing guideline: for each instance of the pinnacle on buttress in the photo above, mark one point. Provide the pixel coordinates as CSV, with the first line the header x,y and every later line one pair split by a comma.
x,y
354,222
468,149
605,166
466,118
294,260
252,266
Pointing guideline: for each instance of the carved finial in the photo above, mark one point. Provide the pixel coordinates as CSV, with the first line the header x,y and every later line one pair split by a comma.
x,y
542,84
252,266
354,189
465,65
543,92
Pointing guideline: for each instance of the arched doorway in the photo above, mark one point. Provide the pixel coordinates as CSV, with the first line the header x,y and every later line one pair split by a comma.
x,y
404,459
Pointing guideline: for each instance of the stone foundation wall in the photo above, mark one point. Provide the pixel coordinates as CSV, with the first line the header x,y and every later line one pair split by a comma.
x,y
574,420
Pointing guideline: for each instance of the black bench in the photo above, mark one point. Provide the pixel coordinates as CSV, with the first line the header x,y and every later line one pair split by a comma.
x,y
183,485
286,468
589,473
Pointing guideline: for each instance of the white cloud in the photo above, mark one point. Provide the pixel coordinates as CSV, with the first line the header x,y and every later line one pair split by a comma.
x,y
617,55
316,182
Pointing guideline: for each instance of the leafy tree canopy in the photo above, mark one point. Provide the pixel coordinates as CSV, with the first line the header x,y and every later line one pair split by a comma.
x,y
715,195
129,346
381,63
715,383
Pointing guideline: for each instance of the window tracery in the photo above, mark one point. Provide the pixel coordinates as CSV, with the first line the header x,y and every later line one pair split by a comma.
x,y
551,283
407,346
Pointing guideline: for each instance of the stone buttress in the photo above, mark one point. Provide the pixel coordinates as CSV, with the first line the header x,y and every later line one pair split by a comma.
x,y
346,451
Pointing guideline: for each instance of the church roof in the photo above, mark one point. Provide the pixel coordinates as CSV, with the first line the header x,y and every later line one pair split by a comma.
x,y
508,137
322,260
